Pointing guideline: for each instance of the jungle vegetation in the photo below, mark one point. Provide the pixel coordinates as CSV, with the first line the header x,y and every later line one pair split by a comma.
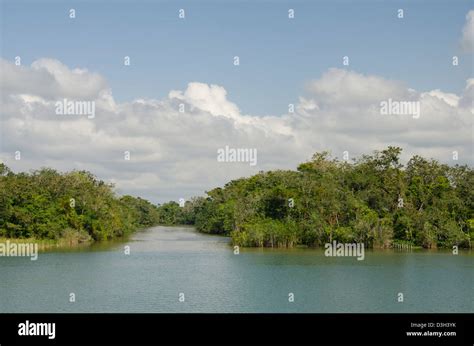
x,y
374,199
76,206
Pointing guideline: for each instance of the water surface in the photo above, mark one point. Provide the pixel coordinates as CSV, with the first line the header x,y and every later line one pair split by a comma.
x,y
167,261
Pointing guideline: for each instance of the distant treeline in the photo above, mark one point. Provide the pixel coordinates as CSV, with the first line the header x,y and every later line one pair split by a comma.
x,y
374,200
73,206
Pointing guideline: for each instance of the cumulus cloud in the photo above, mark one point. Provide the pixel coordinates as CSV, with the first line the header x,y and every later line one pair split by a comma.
x,y
173,153
341,87
208,98
50,79
467,40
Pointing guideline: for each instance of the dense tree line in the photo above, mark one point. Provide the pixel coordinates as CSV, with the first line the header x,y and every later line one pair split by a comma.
x,y
46,204
375,200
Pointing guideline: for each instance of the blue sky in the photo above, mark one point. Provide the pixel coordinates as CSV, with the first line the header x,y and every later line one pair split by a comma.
x,y
282,61
278,56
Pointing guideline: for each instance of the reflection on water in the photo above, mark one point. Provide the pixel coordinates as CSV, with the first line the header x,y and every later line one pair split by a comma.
x,y
167,261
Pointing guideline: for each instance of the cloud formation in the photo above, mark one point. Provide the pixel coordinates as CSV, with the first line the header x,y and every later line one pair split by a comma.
x,y
173,142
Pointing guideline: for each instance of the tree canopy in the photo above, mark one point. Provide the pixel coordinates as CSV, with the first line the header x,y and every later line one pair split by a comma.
x,y
375,200
46,204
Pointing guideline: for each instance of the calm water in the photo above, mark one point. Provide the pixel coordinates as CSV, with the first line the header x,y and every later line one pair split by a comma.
x,y
167,261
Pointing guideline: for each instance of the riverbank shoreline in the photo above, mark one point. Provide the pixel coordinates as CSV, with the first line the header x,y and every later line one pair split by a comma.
x,y
48,244
75,244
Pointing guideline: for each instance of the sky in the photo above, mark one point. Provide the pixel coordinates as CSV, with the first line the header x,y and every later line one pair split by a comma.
x,y
190,61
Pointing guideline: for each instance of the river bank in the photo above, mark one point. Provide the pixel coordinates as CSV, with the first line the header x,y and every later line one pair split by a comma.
x,y
47,244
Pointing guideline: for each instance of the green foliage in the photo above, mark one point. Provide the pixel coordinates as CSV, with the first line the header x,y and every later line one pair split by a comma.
x,y
375,200
74,206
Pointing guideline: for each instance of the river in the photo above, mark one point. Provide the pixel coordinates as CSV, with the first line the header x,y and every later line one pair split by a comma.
x,y
176,269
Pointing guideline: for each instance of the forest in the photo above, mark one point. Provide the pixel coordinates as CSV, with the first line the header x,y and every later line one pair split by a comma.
x,y
374,200
74,206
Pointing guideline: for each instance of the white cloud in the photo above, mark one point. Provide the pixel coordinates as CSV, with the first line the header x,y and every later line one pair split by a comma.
x,y
51,79
209,98
346,88
450,99
173,154
467,40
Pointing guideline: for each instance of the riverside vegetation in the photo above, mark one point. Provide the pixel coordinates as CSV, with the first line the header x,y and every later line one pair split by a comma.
x,y
67,209
373,200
